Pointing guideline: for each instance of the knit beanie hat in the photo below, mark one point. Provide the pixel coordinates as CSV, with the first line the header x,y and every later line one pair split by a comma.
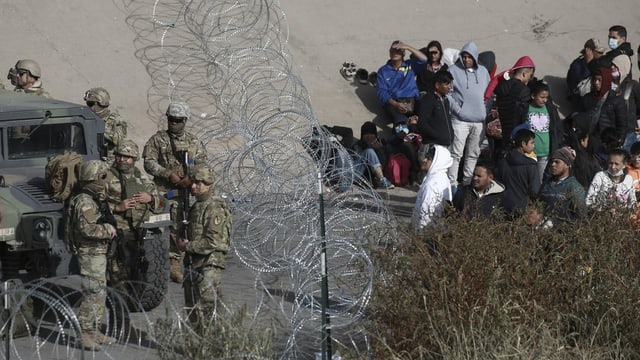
x,y
565,154
368,128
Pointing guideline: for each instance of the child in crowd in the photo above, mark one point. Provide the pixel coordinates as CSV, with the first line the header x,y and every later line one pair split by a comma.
x,y
372,155
613,184
519,174
435,189
543,119
585,165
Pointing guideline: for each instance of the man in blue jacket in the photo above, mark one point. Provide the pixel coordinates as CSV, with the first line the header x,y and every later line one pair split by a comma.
x,y
468,111
397,89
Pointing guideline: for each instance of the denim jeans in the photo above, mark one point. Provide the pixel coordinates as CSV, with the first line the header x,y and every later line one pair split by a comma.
x,y
367,159
466,135
630,139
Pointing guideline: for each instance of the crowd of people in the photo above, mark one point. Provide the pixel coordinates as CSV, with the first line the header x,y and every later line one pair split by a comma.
x,y
492,141
176,164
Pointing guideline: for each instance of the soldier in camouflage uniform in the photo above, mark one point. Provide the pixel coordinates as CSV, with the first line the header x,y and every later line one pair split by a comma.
x,y
133,198
115,127
164,159
27,77
209,236
89,239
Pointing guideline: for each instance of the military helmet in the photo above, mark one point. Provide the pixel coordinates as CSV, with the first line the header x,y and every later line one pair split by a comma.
x,y
93,170
179,109
127,148
202,173
29,65
99,95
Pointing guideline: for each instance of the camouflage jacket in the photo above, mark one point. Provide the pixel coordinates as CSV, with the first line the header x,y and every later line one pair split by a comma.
x,y
115,130
133,183
83,227
209,231
160,160
36,89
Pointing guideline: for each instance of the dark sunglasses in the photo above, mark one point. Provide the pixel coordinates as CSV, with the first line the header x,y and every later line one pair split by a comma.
x,y
176,120
90,103
22,72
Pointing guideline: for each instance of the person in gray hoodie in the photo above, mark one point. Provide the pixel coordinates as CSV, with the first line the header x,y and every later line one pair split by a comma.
x,y
468,111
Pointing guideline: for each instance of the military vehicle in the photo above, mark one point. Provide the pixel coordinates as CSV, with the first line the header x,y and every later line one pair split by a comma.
x,y
32,130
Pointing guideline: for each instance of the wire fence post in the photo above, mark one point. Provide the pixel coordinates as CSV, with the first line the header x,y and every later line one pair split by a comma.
x,y
326,329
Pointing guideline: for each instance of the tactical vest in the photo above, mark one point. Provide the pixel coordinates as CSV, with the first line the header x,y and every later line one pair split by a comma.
x,y
128,187
172,158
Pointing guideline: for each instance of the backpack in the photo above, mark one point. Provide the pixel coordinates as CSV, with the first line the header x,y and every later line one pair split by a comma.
x,y
397,169
61,173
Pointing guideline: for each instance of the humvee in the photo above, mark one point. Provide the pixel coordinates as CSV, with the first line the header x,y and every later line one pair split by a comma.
x,y
32,130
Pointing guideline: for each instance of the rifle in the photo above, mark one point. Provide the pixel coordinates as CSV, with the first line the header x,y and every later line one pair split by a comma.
x,y
191,275
141,263
108,218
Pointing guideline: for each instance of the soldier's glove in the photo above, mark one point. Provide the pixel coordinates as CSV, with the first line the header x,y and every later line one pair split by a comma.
x,y
185,183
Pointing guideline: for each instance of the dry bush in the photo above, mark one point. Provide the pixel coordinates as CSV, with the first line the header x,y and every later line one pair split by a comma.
x,y
228,335
491,289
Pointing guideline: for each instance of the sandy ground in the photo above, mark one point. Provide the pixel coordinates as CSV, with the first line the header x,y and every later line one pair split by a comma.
x,y
82,44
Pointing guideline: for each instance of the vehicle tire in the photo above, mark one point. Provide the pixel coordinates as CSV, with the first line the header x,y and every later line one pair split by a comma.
x,y
149,291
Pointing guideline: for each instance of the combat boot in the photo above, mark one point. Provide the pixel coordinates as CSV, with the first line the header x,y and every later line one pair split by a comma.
x,y
176,271
90,341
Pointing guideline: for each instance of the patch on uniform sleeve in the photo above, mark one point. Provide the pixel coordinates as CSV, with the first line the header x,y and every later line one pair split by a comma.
x,y
217,220
88,213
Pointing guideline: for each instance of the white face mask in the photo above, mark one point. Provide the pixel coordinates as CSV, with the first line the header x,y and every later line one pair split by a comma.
x,y
613,43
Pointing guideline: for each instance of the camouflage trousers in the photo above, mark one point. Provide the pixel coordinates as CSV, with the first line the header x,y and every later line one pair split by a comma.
x,y
176,206
120,265
201,292
93,269
120,279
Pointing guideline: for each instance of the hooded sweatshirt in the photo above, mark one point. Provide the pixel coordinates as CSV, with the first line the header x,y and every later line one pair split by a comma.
x,y
434,190
471,203
468,87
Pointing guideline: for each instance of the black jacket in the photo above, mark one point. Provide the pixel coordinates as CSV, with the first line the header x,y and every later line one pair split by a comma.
x,y
467,202
512,100
425,80
613,113
434,119
519,174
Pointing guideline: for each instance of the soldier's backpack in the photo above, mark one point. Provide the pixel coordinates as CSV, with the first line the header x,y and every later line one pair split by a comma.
x,y
61,173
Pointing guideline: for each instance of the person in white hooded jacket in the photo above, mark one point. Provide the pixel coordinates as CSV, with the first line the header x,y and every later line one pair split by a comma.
x,y
435,189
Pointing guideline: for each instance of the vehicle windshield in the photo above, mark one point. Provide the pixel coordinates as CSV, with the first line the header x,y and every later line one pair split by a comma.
x,y
33,141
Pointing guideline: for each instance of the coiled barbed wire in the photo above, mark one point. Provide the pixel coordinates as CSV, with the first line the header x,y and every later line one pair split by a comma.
x,y
229,60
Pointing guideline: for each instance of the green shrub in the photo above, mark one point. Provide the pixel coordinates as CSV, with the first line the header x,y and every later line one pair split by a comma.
x,y
484,290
